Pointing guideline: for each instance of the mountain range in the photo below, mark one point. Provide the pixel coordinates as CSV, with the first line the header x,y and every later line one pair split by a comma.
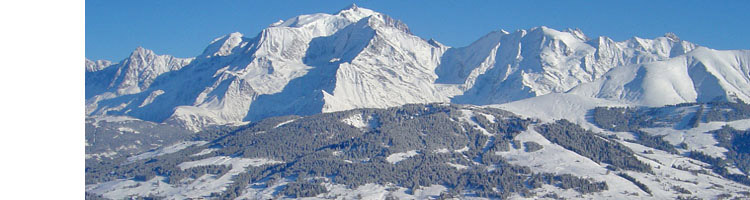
x,y
359,58
352,105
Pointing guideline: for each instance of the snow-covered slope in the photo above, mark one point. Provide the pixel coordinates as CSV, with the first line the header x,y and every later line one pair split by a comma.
x,y
304,65
219,86
701,75
97,65
134,74
503,67
552,107
393,68
359,58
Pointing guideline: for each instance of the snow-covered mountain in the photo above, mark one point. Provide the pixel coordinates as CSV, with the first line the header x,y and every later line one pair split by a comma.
x,y
92,66
560,115
503,67
132,75
701,75
304,65
359,58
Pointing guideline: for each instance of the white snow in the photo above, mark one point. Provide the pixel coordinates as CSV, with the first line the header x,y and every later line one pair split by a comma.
x,y
335,191
553,158
356,121
284,122
398,157
151,97
111,119
389,67
466,148
489,117
442,150
225,160
669,171
224,45
430,192
205,151
199,188
166,150
127,130
358,58
699,138
361,122
339,191
92,66
367,191
140,69
100,155
468,117
551,107
700,75
457,166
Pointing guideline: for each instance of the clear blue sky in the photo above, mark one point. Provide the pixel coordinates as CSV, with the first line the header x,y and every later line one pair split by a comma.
x,y
183,28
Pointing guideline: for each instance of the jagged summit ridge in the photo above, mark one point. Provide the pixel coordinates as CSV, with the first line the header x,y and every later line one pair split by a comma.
x,y
352,6
502,67
131,75
92,66
359,58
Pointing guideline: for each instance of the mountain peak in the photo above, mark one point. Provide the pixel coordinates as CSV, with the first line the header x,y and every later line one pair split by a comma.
x,y
568,36
354,13
141,51
672,36
577,33
97,65
398,24
223,45
344,17
353,6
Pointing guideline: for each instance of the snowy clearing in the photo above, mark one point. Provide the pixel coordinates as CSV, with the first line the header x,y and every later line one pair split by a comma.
x,y
166,150
398,157
284,123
